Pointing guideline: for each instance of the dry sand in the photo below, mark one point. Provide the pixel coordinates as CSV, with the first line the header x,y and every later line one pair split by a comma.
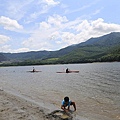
x,y
16,108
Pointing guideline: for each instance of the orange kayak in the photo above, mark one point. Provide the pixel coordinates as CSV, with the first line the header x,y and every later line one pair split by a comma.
x,y
71,71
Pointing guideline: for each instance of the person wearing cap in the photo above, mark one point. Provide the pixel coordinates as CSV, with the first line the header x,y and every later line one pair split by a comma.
x,y
66,103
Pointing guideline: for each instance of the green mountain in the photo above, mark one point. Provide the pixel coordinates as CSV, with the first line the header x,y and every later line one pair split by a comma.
x,y
105,48
102,49
27,55
2,57
111,39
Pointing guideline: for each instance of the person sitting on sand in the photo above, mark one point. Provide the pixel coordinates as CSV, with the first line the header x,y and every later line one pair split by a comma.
x,y
67,103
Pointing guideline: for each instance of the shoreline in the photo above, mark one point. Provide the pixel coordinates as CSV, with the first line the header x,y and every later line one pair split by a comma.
x,y
14,107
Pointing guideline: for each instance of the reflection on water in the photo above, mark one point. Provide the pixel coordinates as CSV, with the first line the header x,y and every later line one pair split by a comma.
x,y
95,89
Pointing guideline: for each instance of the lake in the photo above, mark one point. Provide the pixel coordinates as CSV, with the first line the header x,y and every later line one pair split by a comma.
x,y
95,89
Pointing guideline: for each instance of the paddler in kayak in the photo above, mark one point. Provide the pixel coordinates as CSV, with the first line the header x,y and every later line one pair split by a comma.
x,y
67,71
34,69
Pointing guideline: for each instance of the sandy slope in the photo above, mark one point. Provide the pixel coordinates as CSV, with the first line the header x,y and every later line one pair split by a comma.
x,y
15,108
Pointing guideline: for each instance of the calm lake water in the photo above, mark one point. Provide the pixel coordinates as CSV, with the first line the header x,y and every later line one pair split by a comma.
x,y
95,89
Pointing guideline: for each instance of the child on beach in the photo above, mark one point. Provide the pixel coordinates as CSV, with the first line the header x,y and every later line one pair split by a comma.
x,y
67,103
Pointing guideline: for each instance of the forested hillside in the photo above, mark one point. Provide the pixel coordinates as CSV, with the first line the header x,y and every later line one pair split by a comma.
x,y
2,57
102,49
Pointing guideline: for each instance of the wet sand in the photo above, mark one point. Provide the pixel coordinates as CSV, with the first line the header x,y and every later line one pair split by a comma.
x,y
16,108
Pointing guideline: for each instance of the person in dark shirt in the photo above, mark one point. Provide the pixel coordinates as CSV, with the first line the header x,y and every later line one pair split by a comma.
x,y
33,69
67,71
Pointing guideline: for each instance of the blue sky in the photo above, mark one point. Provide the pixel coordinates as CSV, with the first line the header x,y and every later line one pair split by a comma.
x,y
35,25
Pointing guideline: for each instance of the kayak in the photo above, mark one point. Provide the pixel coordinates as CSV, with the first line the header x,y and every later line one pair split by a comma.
x,y
34,71
71,71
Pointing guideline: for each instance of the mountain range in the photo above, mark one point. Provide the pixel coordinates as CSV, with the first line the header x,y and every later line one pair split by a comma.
x,y
101,49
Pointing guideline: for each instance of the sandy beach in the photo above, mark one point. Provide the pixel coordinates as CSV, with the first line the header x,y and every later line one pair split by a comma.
x,y
16,108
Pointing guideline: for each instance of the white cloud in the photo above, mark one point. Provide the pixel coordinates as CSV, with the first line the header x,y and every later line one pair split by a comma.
x,y
4,39
21,50
56,20
40,8
44,25
44,9
47,34
39,40
97,11
51,24
57,32
100,26
27,11
9,24
68,38
51,2
96,28
88,5
17,9
5,48
55,35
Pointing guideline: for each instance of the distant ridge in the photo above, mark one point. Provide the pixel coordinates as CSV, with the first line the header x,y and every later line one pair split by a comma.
x,y
2,57
106,40
104,48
